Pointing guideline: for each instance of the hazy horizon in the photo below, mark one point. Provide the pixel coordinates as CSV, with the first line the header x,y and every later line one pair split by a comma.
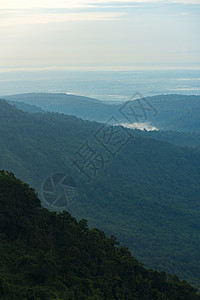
x,y
99,35
104,49
116,86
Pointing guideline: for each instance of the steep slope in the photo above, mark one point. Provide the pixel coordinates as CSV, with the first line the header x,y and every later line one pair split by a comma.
x,y
147,194
45,255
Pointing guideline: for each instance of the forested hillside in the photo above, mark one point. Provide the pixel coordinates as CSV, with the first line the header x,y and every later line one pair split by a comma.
x,y
176,137
146,194
166,112
46,256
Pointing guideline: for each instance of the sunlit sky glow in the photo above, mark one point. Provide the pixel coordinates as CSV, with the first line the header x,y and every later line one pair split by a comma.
x,y
99,33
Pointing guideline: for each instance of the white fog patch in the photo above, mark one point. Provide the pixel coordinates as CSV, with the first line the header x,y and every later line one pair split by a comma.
x,y
141,126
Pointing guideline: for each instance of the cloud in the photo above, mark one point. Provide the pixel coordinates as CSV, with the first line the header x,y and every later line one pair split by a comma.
x,y
186,1
22,17
184,13
143,1
16,12
140,126
24,4
21,12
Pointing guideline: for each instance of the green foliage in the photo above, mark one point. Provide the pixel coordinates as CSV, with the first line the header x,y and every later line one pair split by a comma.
x,y
52,256
147,195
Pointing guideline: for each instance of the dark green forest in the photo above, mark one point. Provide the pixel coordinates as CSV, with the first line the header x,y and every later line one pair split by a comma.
x,y
49,255
147,194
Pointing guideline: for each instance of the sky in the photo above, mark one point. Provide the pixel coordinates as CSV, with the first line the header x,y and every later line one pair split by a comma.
x,y
99,34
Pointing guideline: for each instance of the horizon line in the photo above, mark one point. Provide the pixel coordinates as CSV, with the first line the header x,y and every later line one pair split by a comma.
x,y
98,68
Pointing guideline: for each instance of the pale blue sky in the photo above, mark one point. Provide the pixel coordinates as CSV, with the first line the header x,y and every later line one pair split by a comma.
x,y
99,34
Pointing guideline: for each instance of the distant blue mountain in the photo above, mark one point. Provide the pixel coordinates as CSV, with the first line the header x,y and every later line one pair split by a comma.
x,y
166,112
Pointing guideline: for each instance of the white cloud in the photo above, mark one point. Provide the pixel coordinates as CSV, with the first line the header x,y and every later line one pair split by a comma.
x,y
24,4
151,34
140,126
21,17
186,1
184,13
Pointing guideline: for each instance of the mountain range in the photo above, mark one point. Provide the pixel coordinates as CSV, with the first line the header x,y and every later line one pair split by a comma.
x,y
166,112
145,190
